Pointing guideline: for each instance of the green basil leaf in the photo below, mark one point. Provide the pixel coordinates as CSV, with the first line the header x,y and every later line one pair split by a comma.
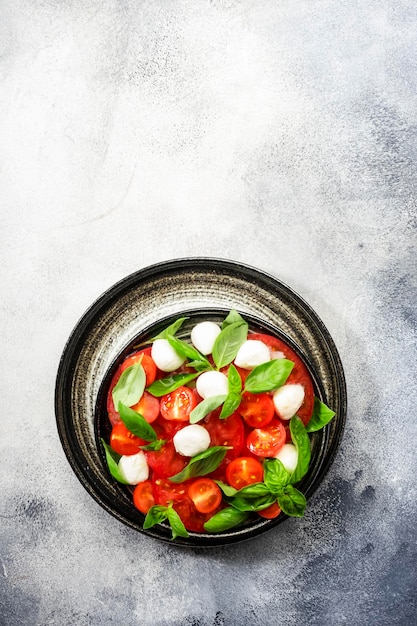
x,y
177,526
268,376
225,519
112,459
136,423
227,489
301,441
322,415
252,504
187,351
166,385
230,405
228,343
130,386
234,380
256,490
204,407
291,501
171,329
200,366
156,515
233,318
202,464
154,445
275,475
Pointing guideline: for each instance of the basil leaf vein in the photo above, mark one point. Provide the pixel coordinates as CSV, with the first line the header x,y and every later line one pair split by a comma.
x,y
188,351
136,423
301,440
275,475
268,376
291,501
228,343
225,519
165,385
204,407
130,386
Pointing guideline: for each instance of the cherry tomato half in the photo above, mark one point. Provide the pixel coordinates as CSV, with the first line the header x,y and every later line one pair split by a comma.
x,y
271,512
166,492
226,432
143,497
123,441
243,471
268,441
299,373
178,404
166,462
257,409
205,494
148,407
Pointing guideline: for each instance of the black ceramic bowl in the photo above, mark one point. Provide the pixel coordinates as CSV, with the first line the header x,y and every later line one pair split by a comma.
x,y
130,312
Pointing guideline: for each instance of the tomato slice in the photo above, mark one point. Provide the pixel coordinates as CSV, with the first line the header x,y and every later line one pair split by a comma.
x,y
299,373
165,491
177,493
205,494
148,407
150,372
178,404
143,497
268,441
271,512
257,409
243,471
123,441
166,462
226,432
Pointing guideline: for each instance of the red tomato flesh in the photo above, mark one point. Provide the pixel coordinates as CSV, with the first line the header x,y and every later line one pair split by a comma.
x,y
244,471
271,512
205,494
148,407
268,441
257,409
178,404
143,497
123,441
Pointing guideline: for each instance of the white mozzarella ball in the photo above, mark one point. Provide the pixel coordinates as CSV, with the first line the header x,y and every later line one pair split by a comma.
x,y
203,336
165,357
134,468
212,383
288,456
288,399
252,353
191,440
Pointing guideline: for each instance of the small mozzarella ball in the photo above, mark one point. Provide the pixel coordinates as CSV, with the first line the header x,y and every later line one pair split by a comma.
x,y
288,456
288,399
203,336
165,357
134,468
252,353
212,384
191,440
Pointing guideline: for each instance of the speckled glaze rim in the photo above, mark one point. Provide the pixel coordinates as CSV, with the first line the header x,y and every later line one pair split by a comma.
x,y
126,312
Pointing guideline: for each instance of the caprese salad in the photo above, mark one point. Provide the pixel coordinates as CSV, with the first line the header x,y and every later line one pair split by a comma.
x,y
214,428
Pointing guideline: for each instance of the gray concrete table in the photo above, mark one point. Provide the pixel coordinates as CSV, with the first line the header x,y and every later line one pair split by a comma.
x,y
279,134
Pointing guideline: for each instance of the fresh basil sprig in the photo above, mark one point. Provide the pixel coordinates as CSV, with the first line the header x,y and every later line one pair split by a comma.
x,y
228,342
322,415
165,385
233,317
202,464
171,329
136,423
187,351
301,440
204,407
234,396
113,459
275,475
225,519
130,386
268,376
291,501
158,514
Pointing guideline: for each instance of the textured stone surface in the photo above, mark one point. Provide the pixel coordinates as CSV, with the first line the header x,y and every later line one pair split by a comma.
x,y
280,134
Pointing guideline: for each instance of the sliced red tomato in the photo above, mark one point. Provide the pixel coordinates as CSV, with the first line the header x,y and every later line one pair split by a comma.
x,y
226,432
150,372
271,512
299,374
205,494
192,519
148,407
166,462
268,441
177,493
165,491
143,497
257,409
123,441
178,404
244,471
